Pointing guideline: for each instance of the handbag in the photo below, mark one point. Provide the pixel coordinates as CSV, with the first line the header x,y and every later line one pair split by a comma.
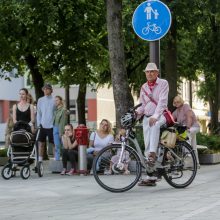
x,y
169,118
91,149
166,113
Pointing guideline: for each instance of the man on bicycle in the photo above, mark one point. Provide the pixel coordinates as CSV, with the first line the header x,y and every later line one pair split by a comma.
x,y
154,99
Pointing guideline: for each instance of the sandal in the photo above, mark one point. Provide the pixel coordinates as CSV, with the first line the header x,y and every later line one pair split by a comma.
x,y
151,159
147,183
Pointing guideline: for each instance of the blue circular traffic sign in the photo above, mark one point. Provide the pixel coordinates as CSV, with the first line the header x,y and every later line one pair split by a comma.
x,y
151,20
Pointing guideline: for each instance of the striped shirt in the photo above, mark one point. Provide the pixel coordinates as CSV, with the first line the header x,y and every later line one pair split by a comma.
x,y
159,93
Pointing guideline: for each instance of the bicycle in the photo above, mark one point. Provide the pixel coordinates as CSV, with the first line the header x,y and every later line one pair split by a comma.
x,y
177,165
151,27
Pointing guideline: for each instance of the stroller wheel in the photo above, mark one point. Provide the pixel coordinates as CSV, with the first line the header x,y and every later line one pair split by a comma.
x,y
25,172
7,172
40,169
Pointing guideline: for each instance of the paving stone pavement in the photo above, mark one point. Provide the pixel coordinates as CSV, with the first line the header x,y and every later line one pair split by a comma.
x,y
59,197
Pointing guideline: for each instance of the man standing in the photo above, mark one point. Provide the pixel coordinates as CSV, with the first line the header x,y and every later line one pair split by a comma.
x,y
45,112
154,99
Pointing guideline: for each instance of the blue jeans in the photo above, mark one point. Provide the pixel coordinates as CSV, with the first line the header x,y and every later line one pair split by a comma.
x,y
57,142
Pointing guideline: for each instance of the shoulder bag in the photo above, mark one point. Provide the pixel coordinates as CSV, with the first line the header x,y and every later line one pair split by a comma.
x,y
166,113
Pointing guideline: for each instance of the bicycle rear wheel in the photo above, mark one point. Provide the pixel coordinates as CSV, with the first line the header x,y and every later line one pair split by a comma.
x,y
181,165
113,176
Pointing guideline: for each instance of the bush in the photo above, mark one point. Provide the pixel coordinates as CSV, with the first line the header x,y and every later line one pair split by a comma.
x,y
211,141
3,152
140,137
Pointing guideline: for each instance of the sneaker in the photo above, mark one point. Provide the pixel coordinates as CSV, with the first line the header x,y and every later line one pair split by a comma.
x,y
71,172
107,172
63,172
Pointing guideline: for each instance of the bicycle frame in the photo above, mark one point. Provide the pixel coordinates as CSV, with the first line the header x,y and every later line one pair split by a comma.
x,y
137,149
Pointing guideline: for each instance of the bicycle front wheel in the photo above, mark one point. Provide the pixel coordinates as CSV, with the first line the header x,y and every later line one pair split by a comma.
x,y
112,175
181,165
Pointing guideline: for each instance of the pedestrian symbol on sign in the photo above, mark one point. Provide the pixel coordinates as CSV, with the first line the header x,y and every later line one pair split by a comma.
x,y
148,11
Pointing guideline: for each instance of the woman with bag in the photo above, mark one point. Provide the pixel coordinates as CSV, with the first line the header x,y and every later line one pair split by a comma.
x,y
154,89
185,116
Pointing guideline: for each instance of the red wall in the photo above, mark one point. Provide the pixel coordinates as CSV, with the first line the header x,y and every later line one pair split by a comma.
x,y
92,110
5,110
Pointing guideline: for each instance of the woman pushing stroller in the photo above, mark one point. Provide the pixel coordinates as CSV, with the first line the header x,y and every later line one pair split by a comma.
x,y
24,111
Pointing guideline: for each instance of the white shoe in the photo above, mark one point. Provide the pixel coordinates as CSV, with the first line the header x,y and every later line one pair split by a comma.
x,y
107,172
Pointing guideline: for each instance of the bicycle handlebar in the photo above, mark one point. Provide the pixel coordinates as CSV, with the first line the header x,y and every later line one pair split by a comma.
x,y
132,109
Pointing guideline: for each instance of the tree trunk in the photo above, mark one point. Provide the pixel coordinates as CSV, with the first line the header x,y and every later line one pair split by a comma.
x,y
81,104
67,100
37,78
171,63
214,106
38,83
121,91
214,115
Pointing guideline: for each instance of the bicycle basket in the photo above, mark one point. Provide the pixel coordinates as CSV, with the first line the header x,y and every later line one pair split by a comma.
x,y
168,138
127,120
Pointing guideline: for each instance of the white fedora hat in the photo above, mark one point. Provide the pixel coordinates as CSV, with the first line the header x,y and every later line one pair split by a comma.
x,y
151,66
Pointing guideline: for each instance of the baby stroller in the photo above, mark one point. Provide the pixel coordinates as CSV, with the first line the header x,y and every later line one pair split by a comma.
x,y
22,152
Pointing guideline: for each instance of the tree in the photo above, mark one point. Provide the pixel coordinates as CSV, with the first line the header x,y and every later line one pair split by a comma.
x,y
26,30
122,94
55,40
208,55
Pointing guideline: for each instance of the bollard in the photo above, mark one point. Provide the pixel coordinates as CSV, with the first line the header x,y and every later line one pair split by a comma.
x,y
82,138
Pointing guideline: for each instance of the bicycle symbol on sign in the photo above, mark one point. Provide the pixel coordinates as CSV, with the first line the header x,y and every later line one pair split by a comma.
x,y
151,27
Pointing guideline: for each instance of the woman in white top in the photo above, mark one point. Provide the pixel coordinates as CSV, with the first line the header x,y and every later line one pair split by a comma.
x,y
99,139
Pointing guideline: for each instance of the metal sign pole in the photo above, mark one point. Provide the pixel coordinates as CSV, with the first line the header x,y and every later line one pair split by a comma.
x,y
154,50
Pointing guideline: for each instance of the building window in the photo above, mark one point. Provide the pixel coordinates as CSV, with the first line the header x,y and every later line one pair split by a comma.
x,y
73,111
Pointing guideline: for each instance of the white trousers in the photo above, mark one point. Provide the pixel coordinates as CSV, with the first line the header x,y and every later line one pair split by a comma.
x,y
192,140
152,134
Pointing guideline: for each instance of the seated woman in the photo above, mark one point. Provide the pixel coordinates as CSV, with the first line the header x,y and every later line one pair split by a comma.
x,y
98,140
70,151
185,116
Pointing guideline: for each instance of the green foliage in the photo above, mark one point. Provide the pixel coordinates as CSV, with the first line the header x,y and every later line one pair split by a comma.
x,y
140,137
211,141
3,152
64,36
